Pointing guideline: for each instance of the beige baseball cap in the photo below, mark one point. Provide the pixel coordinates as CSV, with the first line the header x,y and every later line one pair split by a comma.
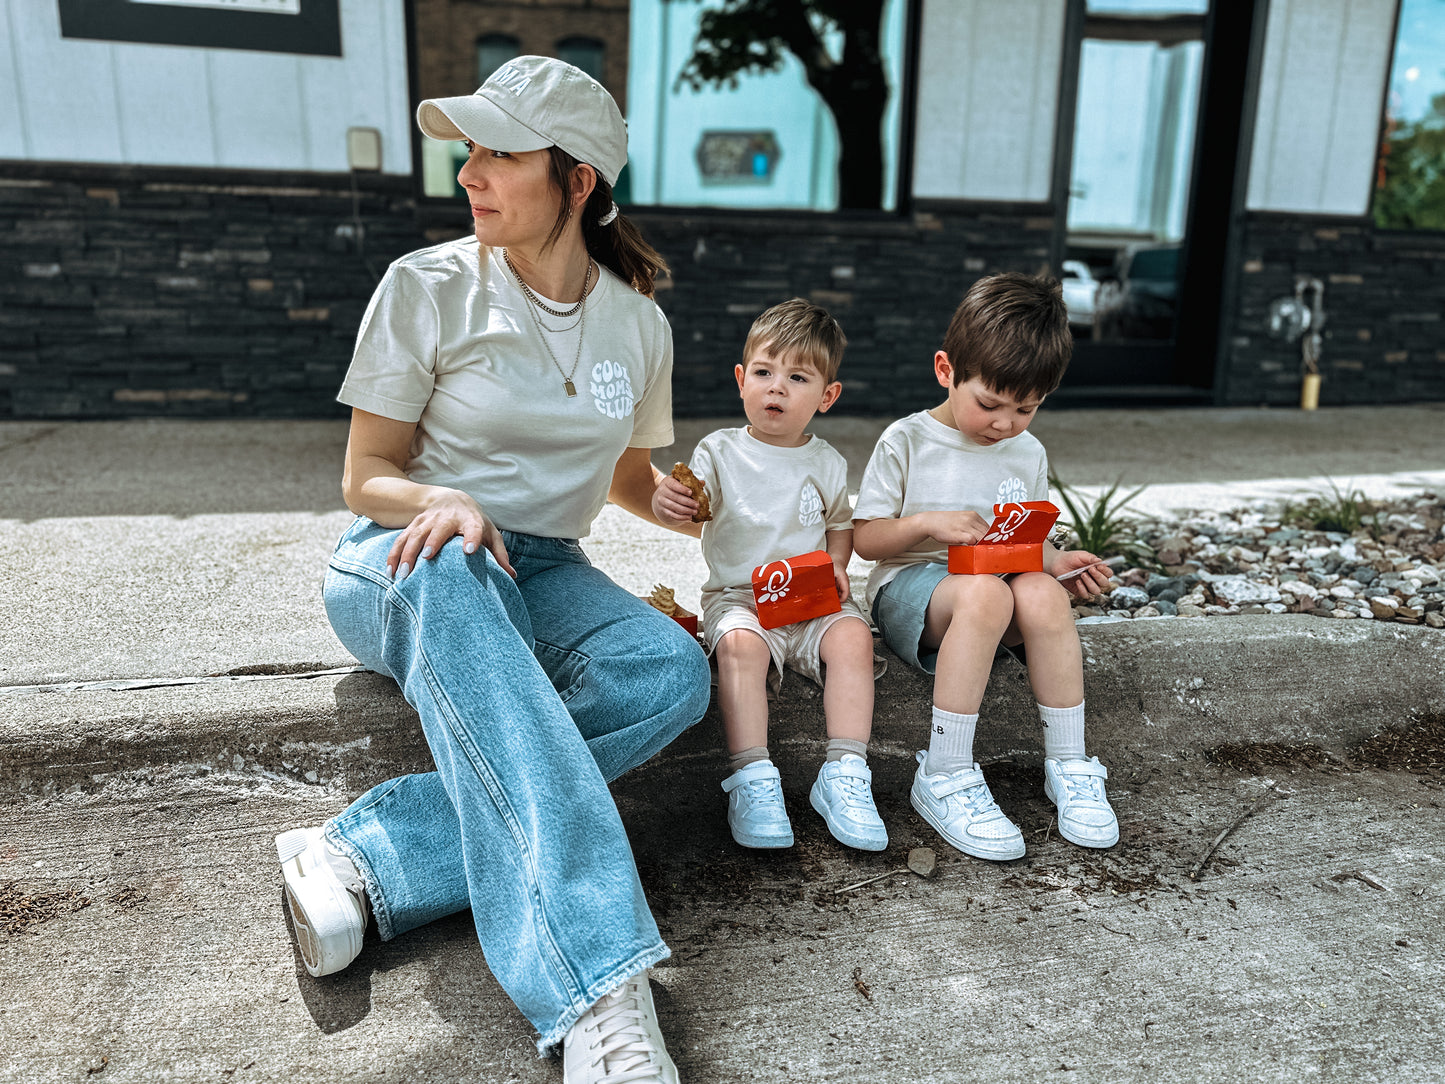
x,y
532,102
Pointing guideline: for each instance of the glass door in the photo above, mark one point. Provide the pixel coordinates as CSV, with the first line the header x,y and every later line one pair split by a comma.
x,y
1136,116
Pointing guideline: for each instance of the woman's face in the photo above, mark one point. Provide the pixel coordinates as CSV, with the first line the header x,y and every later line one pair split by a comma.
x,y
514,202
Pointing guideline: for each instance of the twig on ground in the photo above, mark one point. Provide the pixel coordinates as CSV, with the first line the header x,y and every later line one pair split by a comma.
x,y
869,881
1268,796
861,986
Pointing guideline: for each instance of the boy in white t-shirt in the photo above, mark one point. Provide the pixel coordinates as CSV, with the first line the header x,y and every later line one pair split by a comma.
x,y
777,492
934,480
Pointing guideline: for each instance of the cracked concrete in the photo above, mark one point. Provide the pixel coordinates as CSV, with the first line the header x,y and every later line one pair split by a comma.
x,y
144,936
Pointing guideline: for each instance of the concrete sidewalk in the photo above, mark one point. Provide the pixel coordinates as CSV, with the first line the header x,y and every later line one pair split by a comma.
x,y
164,594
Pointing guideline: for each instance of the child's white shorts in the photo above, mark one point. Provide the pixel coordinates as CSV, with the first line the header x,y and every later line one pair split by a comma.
x,y
796,646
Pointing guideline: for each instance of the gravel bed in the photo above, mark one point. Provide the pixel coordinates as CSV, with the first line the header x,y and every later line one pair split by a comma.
x,y
1249,562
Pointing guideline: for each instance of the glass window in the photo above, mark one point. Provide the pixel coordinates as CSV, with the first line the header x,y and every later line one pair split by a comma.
x,y
1410,181
756,139
585,53
494,50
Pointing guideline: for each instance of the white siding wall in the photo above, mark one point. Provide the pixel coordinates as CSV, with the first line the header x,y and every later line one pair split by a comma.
x,y
134,104
988,92
1321,91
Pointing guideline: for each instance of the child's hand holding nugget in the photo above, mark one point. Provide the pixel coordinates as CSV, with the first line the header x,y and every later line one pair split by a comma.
x,y
681,498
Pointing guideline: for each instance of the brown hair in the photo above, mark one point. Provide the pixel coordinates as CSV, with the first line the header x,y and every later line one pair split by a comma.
x,y
1012,331
617,246
802,329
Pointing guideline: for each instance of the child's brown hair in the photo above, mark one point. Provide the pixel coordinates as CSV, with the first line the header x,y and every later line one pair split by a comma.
x,y
800,329
1011,330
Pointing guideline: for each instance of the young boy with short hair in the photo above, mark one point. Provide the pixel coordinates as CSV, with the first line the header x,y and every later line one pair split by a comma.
x,y
933,481
778,492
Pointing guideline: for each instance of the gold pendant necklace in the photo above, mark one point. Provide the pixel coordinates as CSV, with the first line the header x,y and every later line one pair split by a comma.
x,y
533,304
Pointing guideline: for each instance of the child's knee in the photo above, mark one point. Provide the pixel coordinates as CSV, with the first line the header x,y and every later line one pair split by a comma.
x,y
972,598
847,640
1037,594
740,647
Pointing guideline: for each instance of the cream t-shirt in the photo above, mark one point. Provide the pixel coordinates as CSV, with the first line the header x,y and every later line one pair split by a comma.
x,y
448,342
767,503
922,465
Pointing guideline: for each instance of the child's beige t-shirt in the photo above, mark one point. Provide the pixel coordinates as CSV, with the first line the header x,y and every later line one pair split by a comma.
x,y
922,465
448,342
768,503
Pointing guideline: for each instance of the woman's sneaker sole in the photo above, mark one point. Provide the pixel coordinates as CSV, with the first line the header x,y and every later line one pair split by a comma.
x,y
328,919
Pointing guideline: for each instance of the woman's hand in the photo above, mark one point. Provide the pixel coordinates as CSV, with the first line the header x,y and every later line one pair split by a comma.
x,y
1082,574
452,513
672,502
955,528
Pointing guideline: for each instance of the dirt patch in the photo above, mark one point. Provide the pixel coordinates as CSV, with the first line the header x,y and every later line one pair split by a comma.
x,y
1418,747
1264,757
20,910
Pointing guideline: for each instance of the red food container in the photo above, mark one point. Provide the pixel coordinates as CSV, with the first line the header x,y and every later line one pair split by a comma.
x,y
795,589
1014,542
687,620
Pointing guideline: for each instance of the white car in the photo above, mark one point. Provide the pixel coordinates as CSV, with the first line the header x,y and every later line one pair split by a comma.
x,y
1080,292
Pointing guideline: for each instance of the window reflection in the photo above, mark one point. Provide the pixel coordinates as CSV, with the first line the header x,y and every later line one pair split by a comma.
x,y
766,139
1410,181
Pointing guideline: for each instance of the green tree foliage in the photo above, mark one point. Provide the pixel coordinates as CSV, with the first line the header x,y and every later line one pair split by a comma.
x,y
745,36
1411,191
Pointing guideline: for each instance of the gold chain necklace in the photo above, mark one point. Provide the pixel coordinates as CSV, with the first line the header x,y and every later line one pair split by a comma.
x,y
561,314
581,307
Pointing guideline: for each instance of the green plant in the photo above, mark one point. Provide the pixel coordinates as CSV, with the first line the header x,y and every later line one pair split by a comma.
x,y
1101,527
1342,512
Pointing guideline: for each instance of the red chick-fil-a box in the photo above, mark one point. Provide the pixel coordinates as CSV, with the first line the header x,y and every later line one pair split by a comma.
x,y
1014,542
795,589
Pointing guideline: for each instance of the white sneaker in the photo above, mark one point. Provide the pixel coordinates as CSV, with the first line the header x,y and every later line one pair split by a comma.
x,y
960,805
756,813
843,797
617,1040
1077,788
326,899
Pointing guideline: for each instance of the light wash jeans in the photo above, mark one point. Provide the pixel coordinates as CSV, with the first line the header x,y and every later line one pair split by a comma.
x,y
533,695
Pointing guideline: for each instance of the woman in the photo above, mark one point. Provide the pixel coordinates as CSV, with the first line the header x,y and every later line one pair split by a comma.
x,y
504,387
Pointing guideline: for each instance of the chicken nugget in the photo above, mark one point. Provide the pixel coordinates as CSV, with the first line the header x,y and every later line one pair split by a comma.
x,y
684,475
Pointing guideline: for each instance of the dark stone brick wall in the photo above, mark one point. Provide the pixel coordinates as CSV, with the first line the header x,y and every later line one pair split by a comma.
x,y
130,292
892,282
1384,333
148,292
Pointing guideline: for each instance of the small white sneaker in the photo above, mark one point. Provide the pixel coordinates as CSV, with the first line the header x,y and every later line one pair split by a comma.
x,y
617,1040
1077,788
756,813
960,805
326,899
843,797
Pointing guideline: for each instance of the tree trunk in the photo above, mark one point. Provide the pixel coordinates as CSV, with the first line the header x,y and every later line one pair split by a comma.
x,y
856,91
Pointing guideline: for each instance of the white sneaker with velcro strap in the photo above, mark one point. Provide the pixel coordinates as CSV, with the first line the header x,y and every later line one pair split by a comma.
x,y
617,1040
1077,788
757,816
961,807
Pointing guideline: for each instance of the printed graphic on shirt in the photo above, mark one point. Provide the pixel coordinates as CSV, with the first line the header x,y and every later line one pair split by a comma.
x,y
612,389
1011,491
810,505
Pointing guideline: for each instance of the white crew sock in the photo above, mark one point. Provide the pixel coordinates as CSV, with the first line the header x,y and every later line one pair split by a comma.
x,y
1063,732
950,742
